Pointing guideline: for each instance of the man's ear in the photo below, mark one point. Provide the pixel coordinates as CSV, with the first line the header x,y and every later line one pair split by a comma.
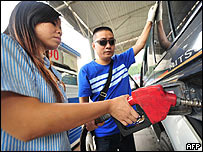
x,y
93,45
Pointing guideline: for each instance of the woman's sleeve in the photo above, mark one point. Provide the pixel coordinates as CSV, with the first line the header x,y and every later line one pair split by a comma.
x,y
17,73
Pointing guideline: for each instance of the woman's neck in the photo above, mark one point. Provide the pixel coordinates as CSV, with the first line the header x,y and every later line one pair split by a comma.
x,y
42,52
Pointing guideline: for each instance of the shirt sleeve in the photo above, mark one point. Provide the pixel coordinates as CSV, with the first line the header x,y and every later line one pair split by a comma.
x,y
127,57
17,73
84,85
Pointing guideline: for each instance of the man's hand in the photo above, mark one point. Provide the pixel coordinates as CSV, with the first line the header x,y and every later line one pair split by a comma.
x,y
151,13
91,125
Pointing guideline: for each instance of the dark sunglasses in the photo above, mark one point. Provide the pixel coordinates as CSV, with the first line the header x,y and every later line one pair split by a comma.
x,y
104,42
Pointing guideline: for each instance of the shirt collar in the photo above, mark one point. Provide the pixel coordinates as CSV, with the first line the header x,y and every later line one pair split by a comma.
x,y
46,62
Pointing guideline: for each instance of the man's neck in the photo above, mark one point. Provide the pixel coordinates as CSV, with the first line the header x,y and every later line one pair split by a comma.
x,y
103,62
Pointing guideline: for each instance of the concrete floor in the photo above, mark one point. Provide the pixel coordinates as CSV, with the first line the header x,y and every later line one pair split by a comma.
x,y
145,140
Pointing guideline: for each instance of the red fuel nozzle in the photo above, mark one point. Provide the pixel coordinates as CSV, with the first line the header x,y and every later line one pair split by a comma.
x,y
154,101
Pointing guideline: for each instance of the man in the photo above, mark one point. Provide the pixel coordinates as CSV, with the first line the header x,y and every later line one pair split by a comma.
x,y
93,76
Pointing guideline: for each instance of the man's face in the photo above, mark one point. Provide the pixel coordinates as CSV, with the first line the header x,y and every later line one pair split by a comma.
x,y
104,51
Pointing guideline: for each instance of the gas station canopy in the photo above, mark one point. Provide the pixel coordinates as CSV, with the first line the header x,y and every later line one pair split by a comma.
x,y
126,18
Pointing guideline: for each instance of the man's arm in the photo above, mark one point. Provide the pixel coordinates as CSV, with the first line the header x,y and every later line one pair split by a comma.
x,y
142,38
164,42
145,33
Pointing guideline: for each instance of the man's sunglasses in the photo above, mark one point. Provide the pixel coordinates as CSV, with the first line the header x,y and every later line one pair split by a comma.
x,y
104,42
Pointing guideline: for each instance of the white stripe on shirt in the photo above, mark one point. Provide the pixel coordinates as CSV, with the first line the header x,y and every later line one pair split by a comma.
x,y
120,75
106,74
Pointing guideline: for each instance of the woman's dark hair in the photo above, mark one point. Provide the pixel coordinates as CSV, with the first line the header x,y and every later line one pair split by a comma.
x,y
25,16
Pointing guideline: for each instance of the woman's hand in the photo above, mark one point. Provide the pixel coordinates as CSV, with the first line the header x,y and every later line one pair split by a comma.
x,y
121,110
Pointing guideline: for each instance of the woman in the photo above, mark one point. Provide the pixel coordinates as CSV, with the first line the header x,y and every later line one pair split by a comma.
x,y
33,115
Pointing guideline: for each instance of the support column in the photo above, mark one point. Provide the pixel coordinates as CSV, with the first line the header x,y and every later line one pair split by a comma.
x,y
91,49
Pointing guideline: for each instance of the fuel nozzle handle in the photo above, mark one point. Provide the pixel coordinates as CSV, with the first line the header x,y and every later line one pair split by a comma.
x,y
152,95
153,100
152,104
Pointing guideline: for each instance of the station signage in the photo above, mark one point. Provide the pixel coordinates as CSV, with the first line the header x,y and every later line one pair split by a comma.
x,y
56,56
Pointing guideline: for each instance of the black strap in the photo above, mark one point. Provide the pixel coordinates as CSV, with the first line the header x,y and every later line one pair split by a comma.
x,y
103,93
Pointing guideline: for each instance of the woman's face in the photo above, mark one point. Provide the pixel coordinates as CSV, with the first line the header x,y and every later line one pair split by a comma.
x,y
49,34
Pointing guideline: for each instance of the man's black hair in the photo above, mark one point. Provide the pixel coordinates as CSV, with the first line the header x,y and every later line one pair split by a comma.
x,y
102,28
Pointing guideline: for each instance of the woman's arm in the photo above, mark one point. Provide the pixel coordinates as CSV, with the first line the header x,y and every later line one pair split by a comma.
x,y
84,99
27,118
